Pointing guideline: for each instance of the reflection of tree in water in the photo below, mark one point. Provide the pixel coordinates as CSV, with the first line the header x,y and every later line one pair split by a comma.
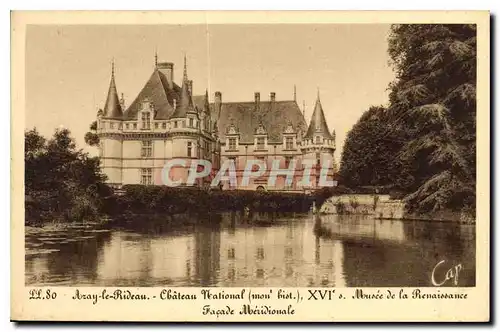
x,y
380,259
454,243
78,260
410,264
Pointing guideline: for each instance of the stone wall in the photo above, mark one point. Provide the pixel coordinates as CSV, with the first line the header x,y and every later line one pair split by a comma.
x,y
381,206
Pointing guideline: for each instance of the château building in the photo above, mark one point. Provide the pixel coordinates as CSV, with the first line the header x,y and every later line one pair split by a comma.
x,y
166,121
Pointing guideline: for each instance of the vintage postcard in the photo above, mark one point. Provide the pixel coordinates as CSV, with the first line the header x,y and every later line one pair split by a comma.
x,y
251,166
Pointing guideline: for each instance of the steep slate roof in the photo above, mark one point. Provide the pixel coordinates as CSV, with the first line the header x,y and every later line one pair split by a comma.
x,y
112,108
157,90
318,123
274,116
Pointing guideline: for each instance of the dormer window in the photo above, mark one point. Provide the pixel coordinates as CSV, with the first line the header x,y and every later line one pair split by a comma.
x,y
288,143
146,118
318,140
191,123
261,143
175,124
232,144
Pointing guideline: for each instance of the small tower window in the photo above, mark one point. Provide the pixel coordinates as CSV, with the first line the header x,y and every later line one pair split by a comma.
x,y
146,176
189,149
191,123
146,149
175,124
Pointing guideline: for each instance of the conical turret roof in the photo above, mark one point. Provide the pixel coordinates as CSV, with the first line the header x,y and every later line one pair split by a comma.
x,y
318,123
112,108
185,104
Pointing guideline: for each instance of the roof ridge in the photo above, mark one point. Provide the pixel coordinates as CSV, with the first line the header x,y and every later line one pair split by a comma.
x,y
253,102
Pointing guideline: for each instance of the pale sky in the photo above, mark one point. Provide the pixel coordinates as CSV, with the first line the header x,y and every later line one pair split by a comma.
x,y
68,67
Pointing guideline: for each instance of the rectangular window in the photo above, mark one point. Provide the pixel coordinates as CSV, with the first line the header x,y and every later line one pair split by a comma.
x,y
318,140
126,125
189,148
175,124
146,176
261,143
191,123
145,120
232,144
135,125
288,160
164,125
111,125
157,125
147,149
289,143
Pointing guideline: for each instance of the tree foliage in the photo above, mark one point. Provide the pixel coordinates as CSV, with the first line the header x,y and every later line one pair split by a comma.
x,y
367,150
91,137
61,182
430,124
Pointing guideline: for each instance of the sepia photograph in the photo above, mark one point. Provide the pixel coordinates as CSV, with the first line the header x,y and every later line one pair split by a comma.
x,y
235,160
250,155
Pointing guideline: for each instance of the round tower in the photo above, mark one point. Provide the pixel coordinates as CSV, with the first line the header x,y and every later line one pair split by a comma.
x,y
109,128
318,146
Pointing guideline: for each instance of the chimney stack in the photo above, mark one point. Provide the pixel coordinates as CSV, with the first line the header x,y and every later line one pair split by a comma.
x,y
167,69
273,96
218,102
257,101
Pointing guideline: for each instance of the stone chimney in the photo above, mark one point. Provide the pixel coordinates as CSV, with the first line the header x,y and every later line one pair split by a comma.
x,y
218,102
257,101
272,97
167,69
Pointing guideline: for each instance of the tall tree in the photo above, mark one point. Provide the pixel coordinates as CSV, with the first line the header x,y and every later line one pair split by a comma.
x,y
434,99
429,128
369,150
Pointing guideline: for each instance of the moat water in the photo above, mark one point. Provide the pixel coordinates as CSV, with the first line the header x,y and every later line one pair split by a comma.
x,y
268,250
